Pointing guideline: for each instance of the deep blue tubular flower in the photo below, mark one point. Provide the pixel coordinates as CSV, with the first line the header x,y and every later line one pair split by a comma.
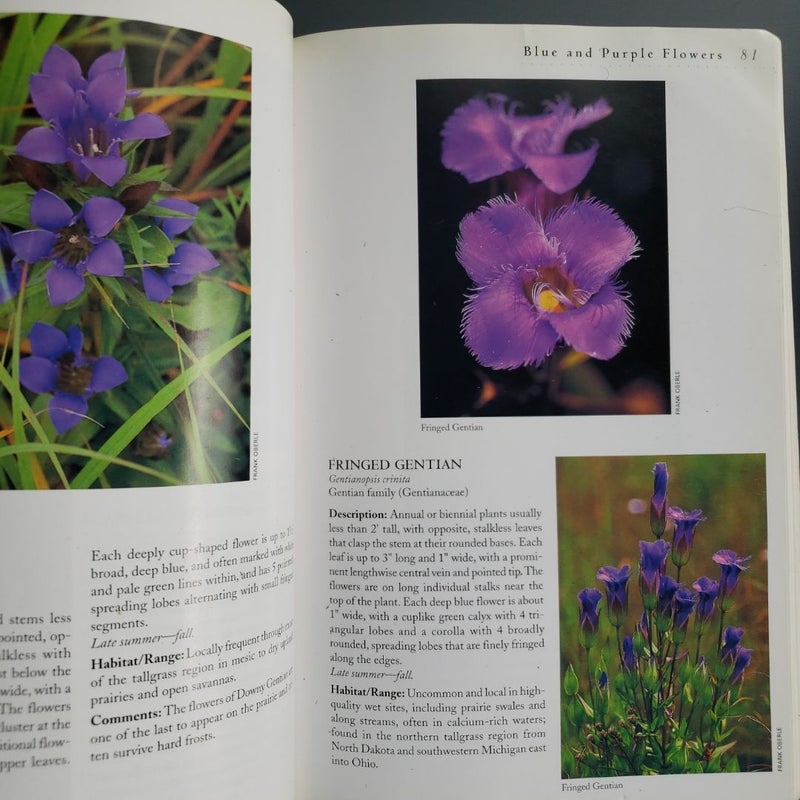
x,y
589,615
538,283
84,130
683,602
652,564
741,663
730,643
628,654
188,260
707,591
10,267
75,243
58,366
616,581
683,536
731,566
658,502
484,138
667,587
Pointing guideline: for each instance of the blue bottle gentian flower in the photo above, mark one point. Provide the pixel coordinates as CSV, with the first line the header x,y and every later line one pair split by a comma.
x,y
84,130
58,366
75,243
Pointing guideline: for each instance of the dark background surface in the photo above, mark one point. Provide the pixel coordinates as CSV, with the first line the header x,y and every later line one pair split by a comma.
x,y
781,17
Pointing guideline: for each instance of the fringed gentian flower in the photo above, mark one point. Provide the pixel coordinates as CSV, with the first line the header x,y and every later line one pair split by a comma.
x,y
84,130
683,604
742,662
683,537
731,566
75,243
628,654
616,581
484,138
58,366
658,502
652,564
707,591
589,615
730,643
10,267
540,283
667,586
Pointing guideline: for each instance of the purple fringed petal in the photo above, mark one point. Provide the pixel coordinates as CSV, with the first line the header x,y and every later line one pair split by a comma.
x,y
597,240
38,374
565,119
106,259
106,92
501,330
31,246
500,234
188,260
107,373
101,214
49,211
53,97
477,139
598,328
43,144
142,126
66,411
155,286
560,173
63,284
47,341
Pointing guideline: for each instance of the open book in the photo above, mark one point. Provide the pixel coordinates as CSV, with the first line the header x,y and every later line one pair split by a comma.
x,y
393,413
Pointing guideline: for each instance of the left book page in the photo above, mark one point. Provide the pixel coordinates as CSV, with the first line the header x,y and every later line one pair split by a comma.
x,y
146,565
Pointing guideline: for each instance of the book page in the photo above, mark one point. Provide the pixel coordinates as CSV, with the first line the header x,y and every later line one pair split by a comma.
x,y
547,458
146,408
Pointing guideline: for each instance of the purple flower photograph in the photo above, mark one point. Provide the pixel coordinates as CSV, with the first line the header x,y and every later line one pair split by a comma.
x,y
664,630
124,236
542,236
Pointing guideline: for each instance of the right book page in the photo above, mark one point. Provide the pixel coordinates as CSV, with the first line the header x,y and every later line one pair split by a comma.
x,y
547,438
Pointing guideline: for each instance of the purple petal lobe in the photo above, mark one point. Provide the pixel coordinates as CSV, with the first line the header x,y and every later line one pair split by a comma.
x,y
113,59
43,144
107,373
155,285
499,234
63,284
38,374
559,173
101,214
66,411
476,140
30,246
108,168
62,64
188,260
142,126
53,97
49,211
106,259
106,92
47,341
174,226
597,328
501,329
597,240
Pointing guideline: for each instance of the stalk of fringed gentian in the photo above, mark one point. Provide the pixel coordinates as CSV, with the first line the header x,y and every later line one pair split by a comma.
x,y
588,623
683,536
730,566
658,501
616,582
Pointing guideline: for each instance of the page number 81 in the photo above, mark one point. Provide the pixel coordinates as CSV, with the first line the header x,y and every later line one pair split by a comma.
x,y
748,55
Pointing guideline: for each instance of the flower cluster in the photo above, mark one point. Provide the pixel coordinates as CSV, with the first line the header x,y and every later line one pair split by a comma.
x,y
93,220
671,701
543,262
